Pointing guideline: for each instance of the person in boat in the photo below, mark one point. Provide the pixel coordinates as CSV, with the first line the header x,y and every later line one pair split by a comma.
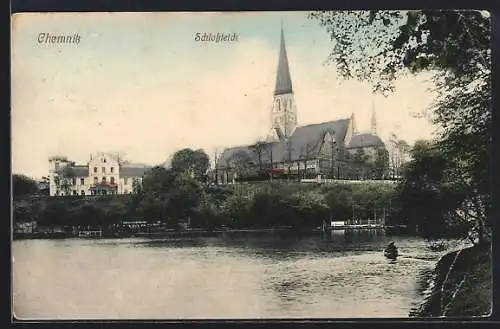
x,y
391,251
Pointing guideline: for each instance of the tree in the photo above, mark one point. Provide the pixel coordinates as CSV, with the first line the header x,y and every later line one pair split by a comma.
x,y
23,186
156,186
269,150
115,211
55,212
216,166
136,186
242,164
208,213
235,208
423,183
158,181
340,204
258,148
380,46
195,162
381,164
25,211
64,179
169,195
184,197
399,153
88,214
306,154
289,151
359,163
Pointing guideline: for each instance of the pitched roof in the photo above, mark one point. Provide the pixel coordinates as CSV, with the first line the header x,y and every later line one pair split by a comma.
x,y
365,140
283,79
133,170
305,141
80,170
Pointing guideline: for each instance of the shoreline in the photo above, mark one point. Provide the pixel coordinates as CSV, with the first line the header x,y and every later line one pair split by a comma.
x,y
189,233
460,285
172,234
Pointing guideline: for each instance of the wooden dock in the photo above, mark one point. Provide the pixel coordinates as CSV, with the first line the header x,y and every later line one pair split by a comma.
x,y
90,234
356,227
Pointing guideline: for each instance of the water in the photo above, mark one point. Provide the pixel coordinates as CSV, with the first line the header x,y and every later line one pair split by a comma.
x,y
236,276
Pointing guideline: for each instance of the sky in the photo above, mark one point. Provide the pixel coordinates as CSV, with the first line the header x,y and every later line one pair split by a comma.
x,y
139,84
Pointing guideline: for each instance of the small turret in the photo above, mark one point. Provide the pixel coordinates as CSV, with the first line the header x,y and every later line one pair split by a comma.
x,y
56,162
353,123
373,125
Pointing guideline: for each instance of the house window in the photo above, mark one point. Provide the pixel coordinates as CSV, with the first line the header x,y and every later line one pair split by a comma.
x,y
104,179
111,169
57,180
112,180
82,192
82,181
104,160
103,170
57,165
95,169
74,181
95,180
125,180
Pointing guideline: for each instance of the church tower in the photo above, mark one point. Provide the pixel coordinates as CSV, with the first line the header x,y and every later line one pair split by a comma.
x,y
373,125
284,112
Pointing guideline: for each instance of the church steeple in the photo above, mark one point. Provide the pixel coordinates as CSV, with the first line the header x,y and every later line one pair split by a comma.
x,y
283,79
284,112
373,125
353,123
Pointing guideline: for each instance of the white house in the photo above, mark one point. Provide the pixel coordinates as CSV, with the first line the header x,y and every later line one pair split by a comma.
x,y
104,174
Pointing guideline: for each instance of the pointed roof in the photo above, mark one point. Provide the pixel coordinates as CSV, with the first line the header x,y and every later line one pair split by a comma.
x,y
283,79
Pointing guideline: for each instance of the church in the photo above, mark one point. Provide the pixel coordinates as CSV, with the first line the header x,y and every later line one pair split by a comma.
x,y
333,149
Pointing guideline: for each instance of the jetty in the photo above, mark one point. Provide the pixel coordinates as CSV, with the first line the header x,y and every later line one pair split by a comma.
x,y
343,225
90,234
356,226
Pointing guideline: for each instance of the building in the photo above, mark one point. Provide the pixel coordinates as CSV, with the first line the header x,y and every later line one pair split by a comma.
x,y
104,174
334,149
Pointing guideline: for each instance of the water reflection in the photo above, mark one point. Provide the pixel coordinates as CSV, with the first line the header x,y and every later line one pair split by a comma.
x,y
229,276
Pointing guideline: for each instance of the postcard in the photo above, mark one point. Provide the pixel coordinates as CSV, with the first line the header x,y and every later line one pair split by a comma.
x,y
251,165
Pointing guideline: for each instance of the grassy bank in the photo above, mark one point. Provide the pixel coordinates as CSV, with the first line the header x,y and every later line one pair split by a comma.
x,y
462,284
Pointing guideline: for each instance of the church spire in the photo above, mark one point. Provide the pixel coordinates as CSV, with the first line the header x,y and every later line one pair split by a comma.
x,y
283,79
284,111
353,124
373,120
